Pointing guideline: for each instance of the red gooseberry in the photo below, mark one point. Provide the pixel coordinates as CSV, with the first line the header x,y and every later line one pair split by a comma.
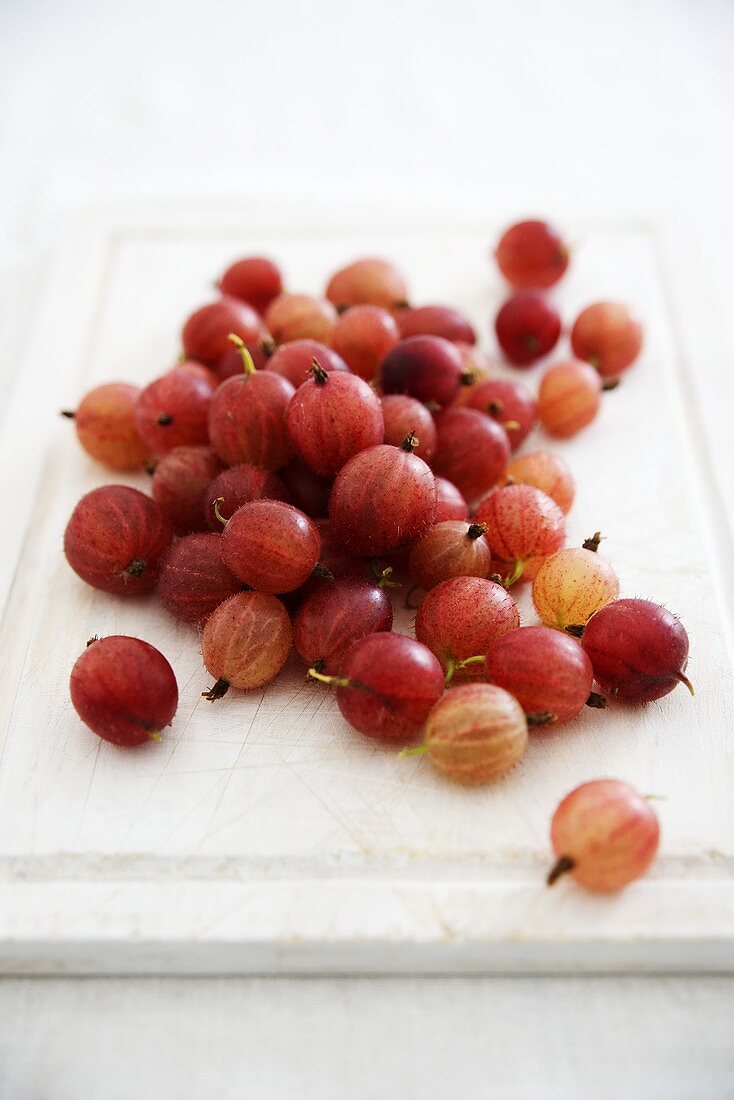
x,y
524,526
532,254
528,326
336,614
546,471
475,734
332,417
236,486
246,642
383,499
205,335
271,546
105,426
179,484
295,360
509,403
115,538
403,415
472,452
568,398
193,578
460,618
255,280
436,321
124,689
428,368
300,317
639,650
367,282
363,336
548,673
604,834
387,685
609,336
173,411
450,504
453,548
572,585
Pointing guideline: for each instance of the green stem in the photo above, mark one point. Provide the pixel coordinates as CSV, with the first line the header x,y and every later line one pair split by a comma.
x,y
217,513
336,681
248,364
418,750
514,575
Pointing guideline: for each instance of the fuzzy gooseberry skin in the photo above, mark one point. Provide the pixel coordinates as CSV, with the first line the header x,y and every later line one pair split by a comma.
x,y
271,546
334,616
124,689
247,420
193,579
105,426
246,640
205,336
173,411
300,317
115,539
403,415
428,368
436,321
382,500
254,279
239,485
332,417
527,326
524,526
367,282
509,403
453,548
608,832
532,254
179,484
639,650
547,672
306,489
476,734
568,398
394,683
295,360
571,586
460,618
548,472
450,503
363,336
472,451
609,336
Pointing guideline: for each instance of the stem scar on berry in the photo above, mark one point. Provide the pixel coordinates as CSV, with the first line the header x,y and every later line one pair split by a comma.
x,y
217,691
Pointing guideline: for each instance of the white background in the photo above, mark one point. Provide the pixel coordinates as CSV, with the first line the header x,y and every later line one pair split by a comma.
x,y
530,107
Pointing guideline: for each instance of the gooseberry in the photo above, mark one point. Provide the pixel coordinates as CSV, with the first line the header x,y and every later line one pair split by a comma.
x,y
428,368
236,486
472,452
367,282
572,585
532,254
179,484
205,335
475,734
255,280
509,403
193,578
332,417
436,321
524,526
546,471
453,548
403,415
460,618
300,317
246,642
105,426
609,336
173,411
271,546
363,336
528,326
548,673
334,616
568,398
295,360
450,504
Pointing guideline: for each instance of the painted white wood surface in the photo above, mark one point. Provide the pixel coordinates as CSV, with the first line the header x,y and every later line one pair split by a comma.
x,y
262,835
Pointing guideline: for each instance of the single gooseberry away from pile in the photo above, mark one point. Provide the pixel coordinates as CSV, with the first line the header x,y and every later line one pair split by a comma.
x,y
295,360
532,254
115,539
236,486
363,336
450,504
193,579
255,280
472,452
548,673
604,834
367,282
387,685
609,336
428,368
403,415
453,548
173,411
333,417
300,317
436,321
527,326
568,398
105,426
509,403
334,616
246,642
639,650
546,471
271,546
124,689
460,618
524,526
383,499
572,585
475,734
179,484
205,335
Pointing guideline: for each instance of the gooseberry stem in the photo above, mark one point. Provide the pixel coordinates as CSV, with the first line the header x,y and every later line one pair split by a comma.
x,y
336,681
593,543
562,867
217,691
68,413
410,443
217,513
514,575
248,364
417,750
408,605
476,530
382,576
684,680
319,374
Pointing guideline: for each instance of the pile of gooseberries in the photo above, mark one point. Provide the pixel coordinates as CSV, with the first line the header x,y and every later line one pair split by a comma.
x,y
308,457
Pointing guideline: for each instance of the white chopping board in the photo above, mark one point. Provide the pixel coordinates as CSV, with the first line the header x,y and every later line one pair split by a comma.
x,y
262,834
